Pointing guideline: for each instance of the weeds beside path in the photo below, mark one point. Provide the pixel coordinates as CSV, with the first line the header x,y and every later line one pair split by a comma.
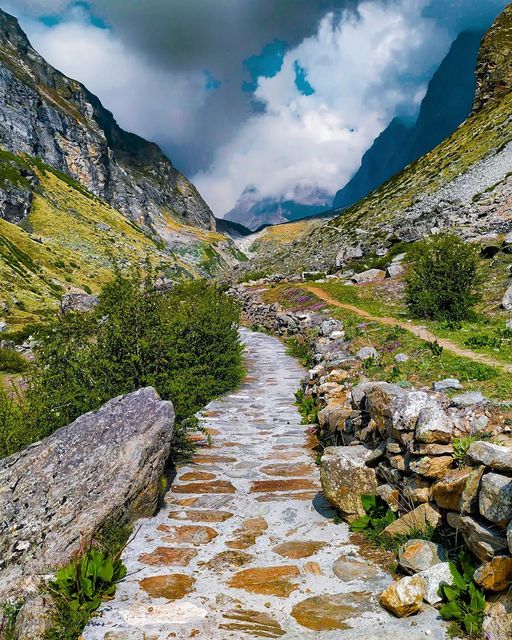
x,y
420,332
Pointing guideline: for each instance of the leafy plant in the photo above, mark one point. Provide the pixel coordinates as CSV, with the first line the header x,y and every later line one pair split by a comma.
x,y
307,407
377,516
79,588
435,348
461,445
464,601
10,612
300,348
444,281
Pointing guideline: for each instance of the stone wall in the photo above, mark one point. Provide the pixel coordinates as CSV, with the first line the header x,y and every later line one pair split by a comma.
x,y
56,494
399,443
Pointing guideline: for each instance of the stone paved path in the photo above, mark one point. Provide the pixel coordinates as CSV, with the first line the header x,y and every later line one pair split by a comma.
x,y
245,546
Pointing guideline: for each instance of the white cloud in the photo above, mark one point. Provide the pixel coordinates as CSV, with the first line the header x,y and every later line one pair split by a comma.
x,y
364,69
152,101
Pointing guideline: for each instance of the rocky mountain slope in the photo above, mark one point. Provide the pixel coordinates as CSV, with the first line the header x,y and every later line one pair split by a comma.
x,y
464,184
78,194
446,105
47,115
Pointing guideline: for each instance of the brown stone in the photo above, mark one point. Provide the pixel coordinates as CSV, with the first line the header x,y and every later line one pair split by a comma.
x,y
404,597
255,623
331,612
285,455
193,476
163,556
287,470
432,467
312,568
348,569
172,587
420,519
272,581
284,497
495,575
421,449
218,486
458,490
390,495
228,559
248,533
192,534
203,459
417,490
265,486
199,515
298,549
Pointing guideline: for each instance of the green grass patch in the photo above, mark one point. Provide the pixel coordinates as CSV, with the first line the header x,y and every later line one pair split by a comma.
x,y
12,362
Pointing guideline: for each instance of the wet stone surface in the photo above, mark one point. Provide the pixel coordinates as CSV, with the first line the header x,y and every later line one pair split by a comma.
x,y
245,546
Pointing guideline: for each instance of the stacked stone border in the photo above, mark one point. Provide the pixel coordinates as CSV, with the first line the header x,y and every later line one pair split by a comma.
x,y
398,443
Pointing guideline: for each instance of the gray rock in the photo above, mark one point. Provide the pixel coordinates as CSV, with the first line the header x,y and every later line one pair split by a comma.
x,y
433,426
8,345
345,477
495,502
435,577
3,326
366,353
491,455
399,258
81,302
484,541
468,399
401,357
328,326
394,270
417,555
509,536
372,275
447,383
406,408
506,302
348,253
57,493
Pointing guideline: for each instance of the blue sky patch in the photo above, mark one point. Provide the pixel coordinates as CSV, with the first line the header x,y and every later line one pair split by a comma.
x,y
210,81
94,20
301,80
266,64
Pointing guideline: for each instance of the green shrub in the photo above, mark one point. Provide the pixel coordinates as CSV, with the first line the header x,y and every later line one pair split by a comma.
x,y
13,431
12,361
464,602
184,343
307,407
300,348
444,283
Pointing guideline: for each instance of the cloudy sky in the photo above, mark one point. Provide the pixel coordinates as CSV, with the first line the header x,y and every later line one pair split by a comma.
x,y
282,96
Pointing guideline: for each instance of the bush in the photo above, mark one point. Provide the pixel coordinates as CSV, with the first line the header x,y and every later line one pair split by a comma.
x,y
13,432
12,362
184,343
444,282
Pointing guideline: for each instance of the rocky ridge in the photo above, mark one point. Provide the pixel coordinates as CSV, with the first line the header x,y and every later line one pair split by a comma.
x,y
47,115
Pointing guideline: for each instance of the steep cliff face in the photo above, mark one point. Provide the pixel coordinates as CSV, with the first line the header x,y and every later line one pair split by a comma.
x,y
47,115
494,69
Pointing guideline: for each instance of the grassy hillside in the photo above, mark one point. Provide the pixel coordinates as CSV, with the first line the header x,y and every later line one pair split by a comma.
x,y
71,239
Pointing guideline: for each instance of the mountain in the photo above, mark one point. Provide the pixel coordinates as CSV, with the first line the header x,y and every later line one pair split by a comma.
x,y
47,115
446,105
78,195
464,184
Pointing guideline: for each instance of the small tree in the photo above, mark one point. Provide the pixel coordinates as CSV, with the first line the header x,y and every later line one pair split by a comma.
x,y
444,281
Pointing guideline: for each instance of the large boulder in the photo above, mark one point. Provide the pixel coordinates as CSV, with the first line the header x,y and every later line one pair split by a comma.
x,y
80,302
372,275
420,519
56,494
345,477
506,302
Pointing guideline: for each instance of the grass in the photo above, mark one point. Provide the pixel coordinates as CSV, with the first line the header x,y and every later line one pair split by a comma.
x,y
12,362
423,366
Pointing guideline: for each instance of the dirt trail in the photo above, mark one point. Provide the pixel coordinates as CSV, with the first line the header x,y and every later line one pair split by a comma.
x,y
420,332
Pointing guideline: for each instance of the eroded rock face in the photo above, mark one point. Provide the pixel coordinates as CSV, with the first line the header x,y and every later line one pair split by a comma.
x,y
345,477
57,493
47,115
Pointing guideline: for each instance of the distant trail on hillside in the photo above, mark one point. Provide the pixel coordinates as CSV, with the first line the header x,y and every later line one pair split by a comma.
x,y
418,331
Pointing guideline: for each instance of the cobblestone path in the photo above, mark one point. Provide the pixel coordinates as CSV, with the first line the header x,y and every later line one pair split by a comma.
x,y
245,546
